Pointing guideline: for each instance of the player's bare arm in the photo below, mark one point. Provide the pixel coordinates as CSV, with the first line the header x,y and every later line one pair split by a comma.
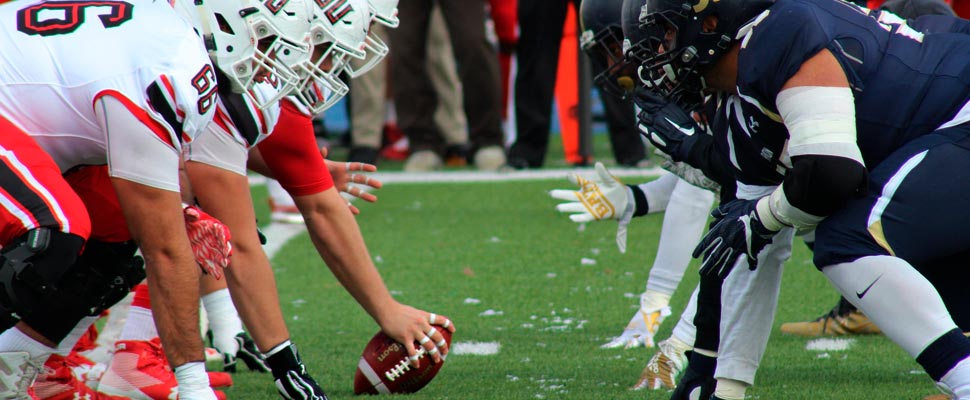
x,y
336,235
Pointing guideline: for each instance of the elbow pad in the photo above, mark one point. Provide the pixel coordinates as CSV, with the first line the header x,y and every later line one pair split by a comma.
x,y
816,187
820,185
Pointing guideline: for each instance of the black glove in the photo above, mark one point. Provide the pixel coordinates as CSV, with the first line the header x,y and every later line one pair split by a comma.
x,y
736,230
292,380
694,384
666,124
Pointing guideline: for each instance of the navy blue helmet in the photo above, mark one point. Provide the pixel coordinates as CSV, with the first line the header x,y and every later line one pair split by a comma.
x,y
679,50
602,41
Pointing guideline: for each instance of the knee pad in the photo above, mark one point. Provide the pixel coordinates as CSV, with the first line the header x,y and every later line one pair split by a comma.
x,y
101,276
30,267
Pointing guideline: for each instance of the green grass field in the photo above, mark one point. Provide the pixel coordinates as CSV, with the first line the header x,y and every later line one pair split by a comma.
x,y
506,267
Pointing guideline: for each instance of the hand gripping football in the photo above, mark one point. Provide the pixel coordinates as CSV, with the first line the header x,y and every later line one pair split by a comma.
x,y
384,368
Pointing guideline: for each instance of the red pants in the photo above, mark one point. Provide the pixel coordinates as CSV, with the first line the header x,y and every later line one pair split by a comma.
x,y
32,192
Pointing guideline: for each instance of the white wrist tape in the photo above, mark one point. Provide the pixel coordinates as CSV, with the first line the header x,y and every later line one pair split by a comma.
x,y
820,120
776,212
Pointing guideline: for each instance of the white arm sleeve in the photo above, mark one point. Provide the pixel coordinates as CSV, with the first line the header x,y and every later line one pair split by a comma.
x,y
820,120
218,148
135,152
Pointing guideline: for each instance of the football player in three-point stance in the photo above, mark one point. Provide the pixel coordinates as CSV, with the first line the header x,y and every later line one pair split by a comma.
x,y
866,162
124,103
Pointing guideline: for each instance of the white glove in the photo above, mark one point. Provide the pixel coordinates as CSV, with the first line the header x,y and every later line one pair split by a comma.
x,y
600,197
640,330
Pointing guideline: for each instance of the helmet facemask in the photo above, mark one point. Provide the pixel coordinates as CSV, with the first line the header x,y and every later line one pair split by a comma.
x,y
244,42
605,48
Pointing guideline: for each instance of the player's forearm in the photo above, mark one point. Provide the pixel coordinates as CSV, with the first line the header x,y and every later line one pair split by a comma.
x,y
173,281
337,237
155,221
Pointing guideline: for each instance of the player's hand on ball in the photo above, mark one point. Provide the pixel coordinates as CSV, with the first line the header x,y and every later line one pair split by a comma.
x,y
414,329
600,196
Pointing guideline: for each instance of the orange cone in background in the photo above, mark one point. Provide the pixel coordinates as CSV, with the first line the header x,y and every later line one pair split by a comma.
x,y
567,90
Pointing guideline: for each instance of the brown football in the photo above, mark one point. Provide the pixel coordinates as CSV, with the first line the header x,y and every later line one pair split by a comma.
x,y
384,368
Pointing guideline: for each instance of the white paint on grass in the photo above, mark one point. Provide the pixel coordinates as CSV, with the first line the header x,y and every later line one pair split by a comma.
x,y
827,344
483,176
475,348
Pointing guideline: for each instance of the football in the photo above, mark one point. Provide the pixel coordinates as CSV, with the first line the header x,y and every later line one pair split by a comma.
x,y
384,368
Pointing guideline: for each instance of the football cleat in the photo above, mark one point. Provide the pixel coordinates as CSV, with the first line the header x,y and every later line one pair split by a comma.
x,y
641,329
139,370
64,378
842,320
663,369
17,373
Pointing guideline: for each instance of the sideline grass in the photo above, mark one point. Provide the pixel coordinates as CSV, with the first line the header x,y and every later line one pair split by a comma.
x,y
503,246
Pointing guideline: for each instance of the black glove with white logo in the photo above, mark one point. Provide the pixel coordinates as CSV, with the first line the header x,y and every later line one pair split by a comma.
x,y
666,124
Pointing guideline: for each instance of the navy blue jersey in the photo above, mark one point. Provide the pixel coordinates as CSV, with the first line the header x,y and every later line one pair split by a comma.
x,y
905,83
753,142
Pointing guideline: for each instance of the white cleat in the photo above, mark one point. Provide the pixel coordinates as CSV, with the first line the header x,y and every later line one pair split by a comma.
x,y
641,329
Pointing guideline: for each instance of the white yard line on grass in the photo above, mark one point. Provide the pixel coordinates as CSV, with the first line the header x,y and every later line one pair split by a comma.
x,y
482,176
829,344
475,348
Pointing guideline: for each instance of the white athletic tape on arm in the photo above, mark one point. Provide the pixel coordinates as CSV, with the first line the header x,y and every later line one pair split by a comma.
x,y
820,120
776,212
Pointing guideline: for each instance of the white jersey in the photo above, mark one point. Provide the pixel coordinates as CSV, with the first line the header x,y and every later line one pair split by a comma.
x,y
238,126
59,58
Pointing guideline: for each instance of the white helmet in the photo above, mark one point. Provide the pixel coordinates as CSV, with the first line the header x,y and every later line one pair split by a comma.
x,y
383,12
245,37
338,29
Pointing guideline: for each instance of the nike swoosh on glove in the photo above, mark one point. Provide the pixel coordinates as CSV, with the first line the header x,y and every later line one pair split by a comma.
x,y
210,240
666,125
737,230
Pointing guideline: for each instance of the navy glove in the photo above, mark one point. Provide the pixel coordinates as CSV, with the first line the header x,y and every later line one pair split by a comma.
x,y
666,124
737,230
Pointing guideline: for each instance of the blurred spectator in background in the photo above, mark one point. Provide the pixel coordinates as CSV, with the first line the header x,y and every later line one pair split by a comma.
x,y
369,106
414,96
541,24
504,24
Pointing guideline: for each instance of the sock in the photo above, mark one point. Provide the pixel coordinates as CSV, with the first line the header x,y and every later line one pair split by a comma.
x,y
223,321
683,223
942,356
64,348
653,300
193,381
111,331
13,340
730,389
958,379
140,324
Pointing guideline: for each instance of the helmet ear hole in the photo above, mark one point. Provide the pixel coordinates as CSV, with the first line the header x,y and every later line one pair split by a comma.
x,y
224,25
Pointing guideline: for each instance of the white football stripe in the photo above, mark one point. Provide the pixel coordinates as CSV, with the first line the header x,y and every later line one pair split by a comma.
x,y
829,344
372,376
475,348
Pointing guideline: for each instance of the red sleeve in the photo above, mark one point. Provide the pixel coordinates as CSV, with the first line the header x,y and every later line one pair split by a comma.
x,y
292,155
